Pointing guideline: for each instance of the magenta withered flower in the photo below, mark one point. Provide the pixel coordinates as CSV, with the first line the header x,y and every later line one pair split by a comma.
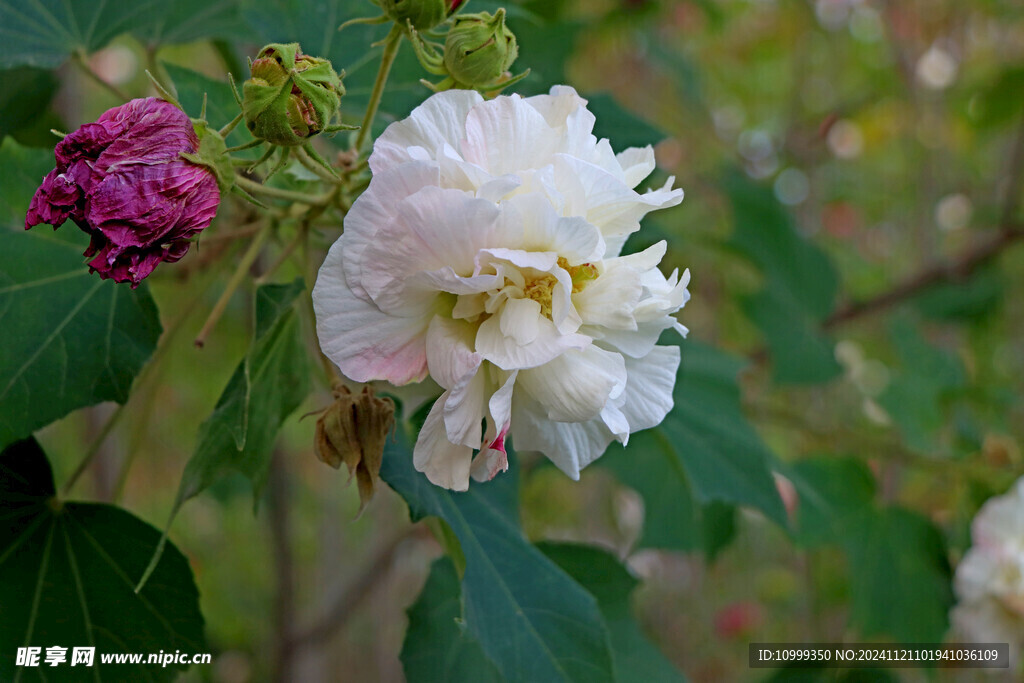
x,y
123,181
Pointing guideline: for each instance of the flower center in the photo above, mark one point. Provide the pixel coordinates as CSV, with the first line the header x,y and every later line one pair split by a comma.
x,y
540,289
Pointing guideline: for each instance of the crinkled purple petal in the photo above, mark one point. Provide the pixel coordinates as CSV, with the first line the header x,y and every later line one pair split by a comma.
x,y
159,133
54,201
123,181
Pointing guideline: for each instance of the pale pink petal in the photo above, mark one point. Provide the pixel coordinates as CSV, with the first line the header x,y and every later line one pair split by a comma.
x,y
375,207
363,341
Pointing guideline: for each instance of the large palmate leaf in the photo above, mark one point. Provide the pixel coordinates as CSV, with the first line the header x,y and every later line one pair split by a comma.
x,y
25,95
437,645
899,573
704,453
636,658
622,127
915,396
24,169
68,572
69,338
800,283
900,576
531,619
268,385
44,33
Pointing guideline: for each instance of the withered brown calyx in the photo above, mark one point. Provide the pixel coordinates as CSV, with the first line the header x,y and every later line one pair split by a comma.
x,y
353,430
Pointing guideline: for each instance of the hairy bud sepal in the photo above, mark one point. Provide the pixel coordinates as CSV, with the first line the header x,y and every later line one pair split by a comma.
x,y
291,96
478,53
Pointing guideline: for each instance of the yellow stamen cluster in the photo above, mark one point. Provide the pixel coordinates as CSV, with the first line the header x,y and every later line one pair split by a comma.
x,y
540,289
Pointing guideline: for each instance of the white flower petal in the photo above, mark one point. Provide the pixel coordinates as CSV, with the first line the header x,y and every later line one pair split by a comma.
x,y
363,341
376,207
464,410
520,319
530,222
446,464
609,300
607,201
558,105
576,385
450,354
647,398
506,135
538,260
637,163
507,354
440,119
432,229
570,445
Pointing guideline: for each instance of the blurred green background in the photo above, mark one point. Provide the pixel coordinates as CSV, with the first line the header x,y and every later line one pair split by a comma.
x,y
832,151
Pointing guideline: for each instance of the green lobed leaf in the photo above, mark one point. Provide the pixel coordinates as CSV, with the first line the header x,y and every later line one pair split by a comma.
x,y
45,33
183,21
636,659
70,339
68,572
899,572
622,127
437,646
704,453
25,96
834,492
531,619
899,577
800,283
916,393
24,170
268,385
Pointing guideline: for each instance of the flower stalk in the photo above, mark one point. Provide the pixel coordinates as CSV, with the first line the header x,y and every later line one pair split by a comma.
x,y
391,44
236,279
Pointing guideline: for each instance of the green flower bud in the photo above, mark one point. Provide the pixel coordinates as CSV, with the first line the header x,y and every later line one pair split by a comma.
x,y
423,14
291,96
479,49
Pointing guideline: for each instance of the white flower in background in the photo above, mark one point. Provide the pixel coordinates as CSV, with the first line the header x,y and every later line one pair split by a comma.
x,y
486,253
989,581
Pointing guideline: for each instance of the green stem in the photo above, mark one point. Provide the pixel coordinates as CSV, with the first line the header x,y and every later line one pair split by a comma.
x,y
310,163
236,279
79,59
226,130
285,254
391,45
94,447
277,193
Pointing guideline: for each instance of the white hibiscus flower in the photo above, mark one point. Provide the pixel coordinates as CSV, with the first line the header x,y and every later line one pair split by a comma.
x,y
989,581
486,253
